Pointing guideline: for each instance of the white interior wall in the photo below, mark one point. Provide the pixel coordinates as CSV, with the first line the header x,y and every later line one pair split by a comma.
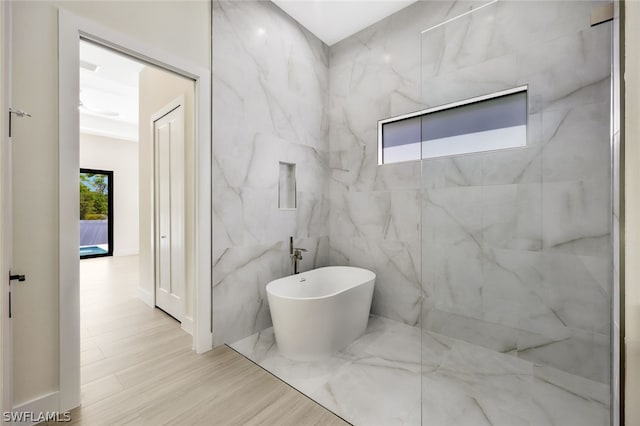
x,y
3,105
120,156
179,28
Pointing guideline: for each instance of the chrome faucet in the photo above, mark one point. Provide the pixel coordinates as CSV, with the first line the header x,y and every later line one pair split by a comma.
x,y
295,254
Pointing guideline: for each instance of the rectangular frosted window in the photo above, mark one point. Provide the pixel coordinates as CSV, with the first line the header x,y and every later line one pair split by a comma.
x,y
487,123
401,140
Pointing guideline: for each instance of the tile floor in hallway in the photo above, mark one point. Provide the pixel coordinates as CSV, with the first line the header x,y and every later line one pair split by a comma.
x,y
377,381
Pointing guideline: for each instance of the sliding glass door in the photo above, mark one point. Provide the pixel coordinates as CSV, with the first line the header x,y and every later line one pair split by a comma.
x,y
96,213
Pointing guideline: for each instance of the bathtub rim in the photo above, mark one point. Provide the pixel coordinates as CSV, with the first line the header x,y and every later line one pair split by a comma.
x,y
372,278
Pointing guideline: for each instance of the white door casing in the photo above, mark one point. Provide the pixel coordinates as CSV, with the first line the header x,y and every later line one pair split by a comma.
x,y
169,207
6,353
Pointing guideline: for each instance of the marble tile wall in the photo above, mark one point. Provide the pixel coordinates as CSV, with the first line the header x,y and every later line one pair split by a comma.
x,y
375,211
511,249
271,86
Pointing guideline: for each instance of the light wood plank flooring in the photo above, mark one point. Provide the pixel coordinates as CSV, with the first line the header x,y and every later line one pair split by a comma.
x,y
138,366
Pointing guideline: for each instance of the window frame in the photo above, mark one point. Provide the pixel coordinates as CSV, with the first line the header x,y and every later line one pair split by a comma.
x,y
109,174
452,105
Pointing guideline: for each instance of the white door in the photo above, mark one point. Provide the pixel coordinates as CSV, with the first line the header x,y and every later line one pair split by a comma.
x,y
168,131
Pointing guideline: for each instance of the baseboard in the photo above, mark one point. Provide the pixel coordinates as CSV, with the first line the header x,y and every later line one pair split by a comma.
x,y
146,296
187,324
204,344
37,410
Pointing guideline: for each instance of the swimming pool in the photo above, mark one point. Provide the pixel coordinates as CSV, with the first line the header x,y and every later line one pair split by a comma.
x,y
92,250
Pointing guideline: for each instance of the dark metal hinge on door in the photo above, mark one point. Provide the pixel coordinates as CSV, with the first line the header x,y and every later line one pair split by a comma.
x,y
20,278
14,277
18,113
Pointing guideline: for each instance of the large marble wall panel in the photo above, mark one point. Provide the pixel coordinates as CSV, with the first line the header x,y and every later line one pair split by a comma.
x,y
510,281
374,211
270,105
397,292
240,278
545,209
515,244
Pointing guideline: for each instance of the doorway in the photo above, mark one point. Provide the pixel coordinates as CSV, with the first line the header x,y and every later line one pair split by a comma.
x,y
142,205
71,30
122,129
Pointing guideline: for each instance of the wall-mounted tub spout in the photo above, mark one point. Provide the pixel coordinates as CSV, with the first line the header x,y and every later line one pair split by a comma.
x,y
295,253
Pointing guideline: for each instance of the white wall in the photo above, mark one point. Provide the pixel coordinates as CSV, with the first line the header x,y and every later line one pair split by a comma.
x,y
156,89
181,28
120,156
3,105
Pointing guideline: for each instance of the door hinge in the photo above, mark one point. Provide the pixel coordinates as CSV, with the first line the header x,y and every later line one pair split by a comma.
x,y
14,277
20,278
18,113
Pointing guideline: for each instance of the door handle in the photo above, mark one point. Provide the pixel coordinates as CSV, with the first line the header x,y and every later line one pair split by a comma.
x,y
20,278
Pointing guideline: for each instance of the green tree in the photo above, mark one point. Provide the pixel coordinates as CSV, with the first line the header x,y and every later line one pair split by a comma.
x,y
99,183
86,201
94,197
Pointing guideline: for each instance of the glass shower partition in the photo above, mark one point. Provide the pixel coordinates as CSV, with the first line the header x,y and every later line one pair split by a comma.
x,y
516,246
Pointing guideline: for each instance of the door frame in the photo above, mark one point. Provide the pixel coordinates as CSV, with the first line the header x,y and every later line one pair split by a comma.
x,y
166,109
71,28
6,330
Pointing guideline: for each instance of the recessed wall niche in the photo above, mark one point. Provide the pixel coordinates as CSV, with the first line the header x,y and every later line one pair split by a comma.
x,y
287,199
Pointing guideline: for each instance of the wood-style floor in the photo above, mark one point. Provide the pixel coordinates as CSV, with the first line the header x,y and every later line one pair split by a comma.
x,y
138,366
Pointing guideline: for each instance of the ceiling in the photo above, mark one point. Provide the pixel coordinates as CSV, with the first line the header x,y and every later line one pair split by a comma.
x,y
335,20
109,80
108,93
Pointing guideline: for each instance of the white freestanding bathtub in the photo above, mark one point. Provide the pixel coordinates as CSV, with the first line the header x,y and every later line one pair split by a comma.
x,y
320,312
